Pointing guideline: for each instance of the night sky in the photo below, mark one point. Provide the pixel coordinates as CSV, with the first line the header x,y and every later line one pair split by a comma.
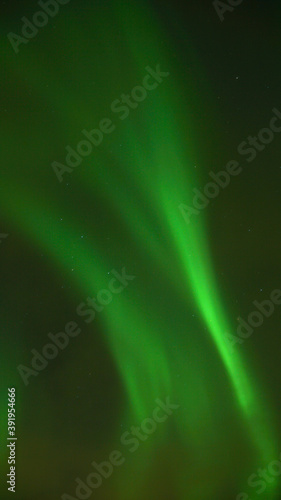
x,y
140,249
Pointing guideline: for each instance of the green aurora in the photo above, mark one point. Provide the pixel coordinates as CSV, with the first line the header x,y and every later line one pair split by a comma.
x,y
166,333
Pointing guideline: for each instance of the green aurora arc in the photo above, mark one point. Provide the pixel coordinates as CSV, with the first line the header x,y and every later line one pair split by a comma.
x,y
140,177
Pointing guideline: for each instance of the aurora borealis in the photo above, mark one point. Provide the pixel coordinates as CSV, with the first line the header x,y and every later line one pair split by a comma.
x,y
114,115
